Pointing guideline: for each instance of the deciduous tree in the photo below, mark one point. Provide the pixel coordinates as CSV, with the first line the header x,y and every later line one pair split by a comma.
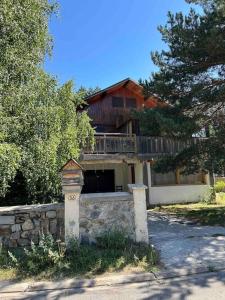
x,y
40,126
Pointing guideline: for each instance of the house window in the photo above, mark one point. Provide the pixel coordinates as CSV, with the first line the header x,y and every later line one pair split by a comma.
x,y
131,103
117,101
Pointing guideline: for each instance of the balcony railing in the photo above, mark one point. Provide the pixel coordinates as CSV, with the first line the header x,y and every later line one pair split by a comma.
x,y
113,143
122,143
162,145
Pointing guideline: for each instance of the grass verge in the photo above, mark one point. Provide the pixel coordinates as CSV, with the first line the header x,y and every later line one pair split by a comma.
x,y
50,260
205,214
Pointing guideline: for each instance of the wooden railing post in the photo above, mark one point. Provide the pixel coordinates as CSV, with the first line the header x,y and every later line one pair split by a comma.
x,y
135,143
104,143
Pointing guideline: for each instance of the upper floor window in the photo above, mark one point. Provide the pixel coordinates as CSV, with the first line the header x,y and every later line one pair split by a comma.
x,y
117,101
131,103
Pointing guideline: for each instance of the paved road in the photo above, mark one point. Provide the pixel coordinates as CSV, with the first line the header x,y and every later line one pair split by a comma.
x,y
210,286
182,244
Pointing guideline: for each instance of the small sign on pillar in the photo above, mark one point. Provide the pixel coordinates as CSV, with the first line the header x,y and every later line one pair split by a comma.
x,y
72,182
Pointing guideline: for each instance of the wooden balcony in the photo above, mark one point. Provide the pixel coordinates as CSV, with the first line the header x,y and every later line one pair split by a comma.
x,y
111,143
161,145
114,143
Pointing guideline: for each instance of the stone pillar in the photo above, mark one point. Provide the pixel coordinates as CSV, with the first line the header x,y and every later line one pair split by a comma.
x,y
140,212
138,169
72,212
72,182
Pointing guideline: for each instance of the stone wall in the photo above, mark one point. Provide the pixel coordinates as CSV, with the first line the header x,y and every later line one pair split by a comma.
x,y
104,212
21,224
98,213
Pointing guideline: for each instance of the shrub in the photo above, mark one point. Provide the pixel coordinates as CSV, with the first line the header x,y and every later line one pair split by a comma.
x,y
209,196
115,239
4,258
220,186
37,258
50,259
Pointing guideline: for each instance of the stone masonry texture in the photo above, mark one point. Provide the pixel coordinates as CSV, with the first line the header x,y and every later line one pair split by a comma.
x,y
19,225
99,213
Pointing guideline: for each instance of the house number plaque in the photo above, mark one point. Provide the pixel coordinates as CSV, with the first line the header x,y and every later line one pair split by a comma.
x,y
74,197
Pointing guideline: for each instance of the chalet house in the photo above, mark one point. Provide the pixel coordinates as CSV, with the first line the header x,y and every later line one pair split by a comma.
x,y
122,155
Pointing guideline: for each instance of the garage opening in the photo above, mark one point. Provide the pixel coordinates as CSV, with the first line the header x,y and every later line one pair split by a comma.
x,y
99,181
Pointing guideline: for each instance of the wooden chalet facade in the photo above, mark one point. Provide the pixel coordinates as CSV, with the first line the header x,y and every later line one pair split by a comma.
x,y
111,108
122,156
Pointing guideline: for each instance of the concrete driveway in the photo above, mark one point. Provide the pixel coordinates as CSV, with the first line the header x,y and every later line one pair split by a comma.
x,y
183,244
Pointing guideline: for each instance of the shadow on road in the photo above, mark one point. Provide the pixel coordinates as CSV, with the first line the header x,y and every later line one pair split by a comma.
x,y
191,287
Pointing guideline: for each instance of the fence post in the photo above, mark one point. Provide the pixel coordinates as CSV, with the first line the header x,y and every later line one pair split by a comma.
x,y
72,182
140,212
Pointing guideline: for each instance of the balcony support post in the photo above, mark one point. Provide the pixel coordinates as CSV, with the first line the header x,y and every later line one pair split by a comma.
x,y
148,164
138,173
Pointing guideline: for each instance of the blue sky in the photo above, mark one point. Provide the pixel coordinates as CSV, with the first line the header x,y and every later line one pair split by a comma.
x,y
100,42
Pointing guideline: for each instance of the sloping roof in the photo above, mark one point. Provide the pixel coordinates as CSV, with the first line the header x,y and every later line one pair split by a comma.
x,y
71,164
136,87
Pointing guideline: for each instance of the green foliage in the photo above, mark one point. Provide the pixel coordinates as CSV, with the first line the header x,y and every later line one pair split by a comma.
x,y
219,186
85,92
50,259
164,121
10,161
210,4
47,132
201,212
37,258
5,260
40,125
45,255
190,80
24,40
112,240
209,196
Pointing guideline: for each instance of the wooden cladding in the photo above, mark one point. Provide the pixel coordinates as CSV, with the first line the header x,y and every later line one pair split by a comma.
x,y
131,103
117,102
120,102
113,109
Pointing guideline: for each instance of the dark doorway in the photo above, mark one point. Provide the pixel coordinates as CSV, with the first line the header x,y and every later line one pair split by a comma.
x,y
99,181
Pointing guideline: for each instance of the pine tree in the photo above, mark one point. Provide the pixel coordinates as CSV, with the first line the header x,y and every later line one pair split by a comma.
x,y
191,81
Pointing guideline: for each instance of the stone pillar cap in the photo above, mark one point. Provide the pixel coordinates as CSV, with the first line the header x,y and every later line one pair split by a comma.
x,y
137,187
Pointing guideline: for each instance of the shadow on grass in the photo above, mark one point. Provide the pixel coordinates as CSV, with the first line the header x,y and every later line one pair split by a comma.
x,y
212,216
86,261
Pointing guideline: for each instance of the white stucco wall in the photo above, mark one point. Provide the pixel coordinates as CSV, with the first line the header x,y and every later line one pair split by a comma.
x,y
177,194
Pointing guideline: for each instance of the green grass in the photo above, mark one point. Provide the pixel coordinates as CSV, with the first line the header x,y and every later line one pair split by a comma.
x,y
8,274
203,213
51,261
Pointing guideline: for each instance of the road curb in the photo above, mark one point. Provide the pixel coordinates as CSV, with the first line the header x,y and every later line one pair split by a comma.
x,y
10,287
